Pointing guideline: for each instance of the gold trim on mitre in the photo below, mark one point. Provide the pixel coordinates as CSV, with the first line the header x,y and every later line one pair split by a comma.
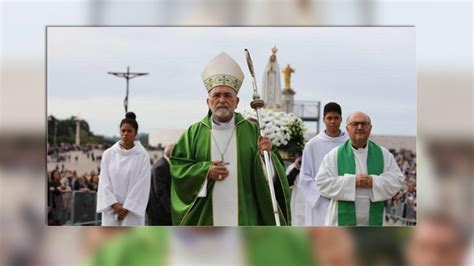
x,y
222,70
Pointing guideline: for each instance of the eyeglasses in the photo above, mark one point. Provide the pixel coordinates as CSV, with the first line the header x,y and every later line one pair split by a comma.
x,y
356,124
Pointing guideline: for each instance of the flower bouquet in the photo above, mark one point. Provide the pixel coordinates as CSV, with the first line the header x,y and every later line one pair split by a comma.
x,y
286,131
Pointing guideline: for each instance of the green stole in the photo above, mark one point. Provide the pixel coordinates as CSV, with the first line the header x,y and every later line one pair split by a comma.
x,y
190,163
346,165
262,246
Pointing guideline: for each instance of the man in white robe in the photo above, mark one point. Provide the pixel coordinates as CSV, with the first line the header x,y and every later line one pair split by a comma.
x,y
315,205
358,176
124,179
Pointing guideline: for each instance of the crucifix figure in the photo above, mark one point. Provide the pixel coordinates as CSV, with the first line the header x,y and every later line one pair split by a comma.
x,y
127,75
223,161
225,149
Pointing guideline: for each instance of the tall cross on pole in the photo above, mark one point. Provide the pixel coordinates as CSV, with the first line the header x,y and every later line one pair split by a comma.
x,y
128,76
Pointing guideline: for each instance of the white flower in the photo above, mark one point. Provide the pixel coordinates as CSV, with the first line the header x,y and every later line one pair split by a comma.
x,y
280,127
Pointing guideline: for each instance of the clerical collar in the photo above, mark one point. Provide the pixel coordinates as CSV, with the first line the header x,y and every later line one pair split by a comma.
x,y
340,133
125,148
363,148
117,147
223,125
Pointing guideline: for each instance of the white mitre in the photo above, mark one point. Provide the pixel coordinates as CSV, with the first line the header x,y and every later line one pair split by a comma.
x,y
222,70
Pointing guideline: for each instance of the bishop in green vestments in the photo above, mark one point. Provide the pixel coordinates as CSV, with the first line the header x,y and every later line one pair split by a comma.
x,y
217,166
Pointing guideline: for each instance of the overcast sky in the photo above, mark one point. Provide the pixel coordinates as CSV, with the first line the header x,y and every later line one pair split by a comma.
x,y
367,69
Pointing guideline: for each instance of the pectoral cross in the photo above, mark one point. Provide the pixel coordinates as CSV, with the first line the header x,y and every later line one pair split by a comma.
x,y
223,161
219,148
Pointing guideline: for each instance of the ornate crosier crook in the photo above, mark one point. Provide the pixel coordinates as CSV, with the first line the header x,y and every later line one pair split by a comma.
x,y
256,104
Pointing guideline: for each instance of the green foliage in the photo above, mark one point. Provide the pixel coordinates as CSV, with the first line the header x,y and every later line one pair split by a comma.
x,y
65,131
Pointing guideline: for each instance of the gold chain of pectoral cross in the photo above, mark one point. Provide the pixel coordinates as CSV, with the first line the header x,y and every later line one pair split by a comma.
x,y
226,147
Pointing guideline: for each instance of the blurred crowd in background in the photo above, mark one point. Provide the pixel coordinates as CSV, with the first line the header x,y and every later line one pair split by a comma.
x,y
402,207
444,140
73,177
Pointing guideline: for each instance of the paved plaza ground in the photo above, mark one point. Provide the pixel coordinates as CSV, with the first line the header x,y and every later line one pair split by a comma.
x,y
84,164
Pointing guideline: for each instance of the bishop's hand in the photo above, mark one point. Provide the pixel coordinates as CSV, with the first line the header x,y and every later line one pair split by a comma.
x,y
264,144
218,171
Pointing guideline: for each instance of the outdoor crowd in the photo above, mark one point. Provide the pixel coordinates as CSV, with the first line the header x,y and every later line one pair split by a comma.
x,y
403,204
61,185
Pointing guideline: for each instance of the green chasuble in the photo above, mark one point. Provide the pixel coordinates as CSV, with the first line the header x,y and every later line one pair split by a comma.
x,y
190,163
346,165
261,246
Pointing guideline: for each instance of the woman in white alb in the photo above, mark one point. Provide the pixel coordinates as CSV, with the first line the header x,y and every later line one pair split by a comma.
x,y
124,182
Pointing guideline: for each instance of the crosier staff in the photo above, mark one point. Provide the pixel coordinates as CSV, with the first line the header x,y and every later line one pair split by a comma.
x,y
256,104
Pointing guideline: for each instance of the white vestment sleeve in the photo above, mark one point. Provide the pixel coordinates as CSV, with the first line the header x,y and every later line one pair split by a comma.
x,y
307,182
105,196
330,184
203,191
389,183
137,196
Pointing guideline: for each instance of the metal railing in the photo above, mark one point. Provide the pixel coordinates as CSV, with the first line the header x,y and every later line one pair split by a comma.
x,y
400,214
399,221
73,208
307,110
